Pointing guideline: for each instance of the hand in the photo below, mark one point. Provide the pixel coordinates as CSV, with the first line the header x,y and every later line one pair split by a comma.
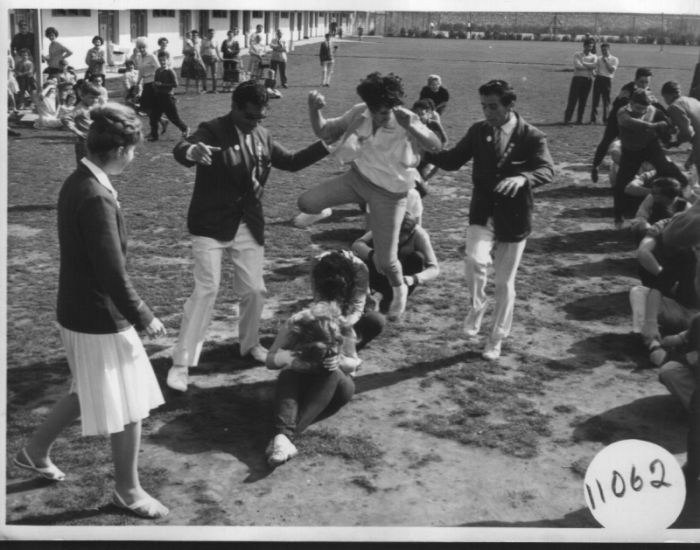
x,y
332,362
316,100
409,280
156,328
594,174
202,154
403,116
510,186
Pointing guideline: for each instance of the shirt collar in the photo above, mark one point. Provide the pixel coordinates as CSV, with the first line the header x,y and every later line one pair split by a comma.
x,y
508,127
100,176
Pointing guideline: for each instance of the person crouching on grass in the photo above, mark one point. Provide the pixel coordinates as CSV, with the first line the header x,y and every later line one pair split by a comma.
x,y
382,142
164,81
317,350
78,120
113,385
510,159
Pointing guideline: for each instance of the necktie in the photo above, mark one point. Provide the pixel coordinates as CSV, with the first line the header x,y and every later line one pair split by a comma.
x,y
497,141
257,188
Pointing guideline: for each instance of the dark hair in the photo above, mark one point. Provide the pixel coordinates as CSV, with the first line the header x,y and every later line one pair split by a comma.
x,y
88,88
98,75
50,30
315,334
333,277
408,224
163,54
589,42
379,91
211,30
605,45
98,37
640,96
671,88
426,103
500,88
327,36
162,40
252,92
113,125
25,50
194,31
666,187
642,71
129,63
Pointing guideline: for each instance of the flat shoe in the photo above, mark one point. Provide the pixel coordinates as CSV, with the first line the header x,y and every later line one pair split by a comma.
x,y
147,507
49,472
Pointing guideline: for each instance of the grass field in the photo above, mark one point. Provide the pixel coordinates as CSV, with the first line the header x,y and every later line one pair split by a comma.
x,y
435,436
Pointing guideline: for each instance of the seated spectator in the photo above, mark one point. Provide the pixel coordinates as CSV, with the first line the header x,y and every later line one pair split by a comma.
x,y
665,200
46,105
99,81
67,73
132,89
435,91
425,109
677,373
78,119
416,255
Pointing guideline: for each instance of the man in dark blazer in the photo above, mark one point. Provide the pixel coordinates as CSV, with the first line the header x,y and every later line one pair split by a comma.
x,y
234,156
510,159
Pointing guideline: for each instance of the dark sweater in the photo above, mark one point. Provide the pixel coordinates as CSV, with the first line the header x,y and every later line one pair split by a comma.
x,y
95,294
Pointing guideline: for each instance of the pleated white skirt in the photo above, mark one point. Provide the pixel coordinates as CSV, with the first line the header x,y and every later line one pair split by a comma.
x,y
113,378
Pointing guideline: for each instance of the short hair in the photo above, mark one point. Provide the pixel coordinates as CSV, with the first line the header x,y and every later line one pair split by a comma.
x,y
129,63
666,187
378,90
500,88
642,71
113,125
258,26
250,91
163,55
671,88
605,45
211,30
427,104
98,37
22,24
194,31
88,88
162,40
25,50
141,42
93,76
333,277
588,42
50,30
327,36
435,78
640,97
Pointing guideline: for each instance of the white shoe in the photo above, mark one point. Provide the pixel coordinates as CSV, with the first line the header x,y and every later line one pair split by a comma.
x,y
258,352
638,302
492,351
472,322
398,302
280,450
177,378
305,220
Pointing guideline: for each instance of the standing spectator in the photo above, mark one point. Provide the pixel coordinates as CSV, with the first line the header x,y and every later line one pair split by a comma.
x,y
192,66
684,113
234,156
26,81
164,82
606,65
327,56
162,47
113,387
210,56
256,51
23,40
231,51
57,53
584,68
382,142
147,65
255,40
425,109
641,127
78,119
642,79
360,31
95,58
278,61
510,159
13,94
435,91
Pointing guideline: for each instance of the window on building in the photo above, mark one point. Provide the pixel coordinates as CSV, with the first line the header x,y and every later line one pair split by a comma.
x,y
284,15
219,14
70,13
163,13
257,15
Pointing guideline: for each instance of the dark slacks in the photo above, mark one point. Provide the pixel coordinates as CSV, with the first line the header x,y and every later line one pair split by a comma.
x,y
601,90
164,104
410,264
280,68
578,93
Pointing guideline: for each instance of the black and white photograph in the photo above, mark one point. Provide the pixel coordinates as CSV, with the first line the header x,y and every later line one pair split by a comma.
x,y
351,271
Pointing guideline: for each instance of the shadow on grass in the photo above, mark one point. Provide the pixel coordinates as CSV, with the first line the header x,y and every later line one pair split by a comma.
x,y
591,212
573,192
607,267
599,306
579,518
62,518
343,235
595,241
31,207
28,485
596,350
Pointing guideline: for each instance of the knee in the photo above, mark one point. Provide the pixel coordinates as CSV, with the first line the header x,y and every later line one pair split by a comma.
x,y
371,325
413,263
305,204
254,292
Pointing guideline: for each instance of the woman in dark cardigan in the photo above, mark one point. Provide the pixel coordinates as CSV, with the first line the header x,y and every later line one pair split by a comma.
x,y
113,385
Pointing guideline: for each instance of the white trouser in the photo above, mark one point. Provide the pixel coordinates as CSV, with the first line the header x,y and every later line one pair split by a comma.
x,y
247,258
481,241
327,71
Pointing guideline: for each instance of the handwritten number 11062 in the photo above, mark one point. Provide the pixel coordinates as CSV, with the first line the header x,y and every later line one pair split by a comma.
x,y
619,486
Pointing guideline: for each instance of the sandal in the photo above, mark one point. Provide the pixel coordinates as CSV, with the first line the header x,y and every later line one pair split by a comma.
x,y
50,472
147,507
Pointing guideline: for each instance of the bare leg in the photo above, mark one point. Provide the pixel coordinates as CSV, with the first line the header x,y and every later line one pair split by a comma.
x,y
64,413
